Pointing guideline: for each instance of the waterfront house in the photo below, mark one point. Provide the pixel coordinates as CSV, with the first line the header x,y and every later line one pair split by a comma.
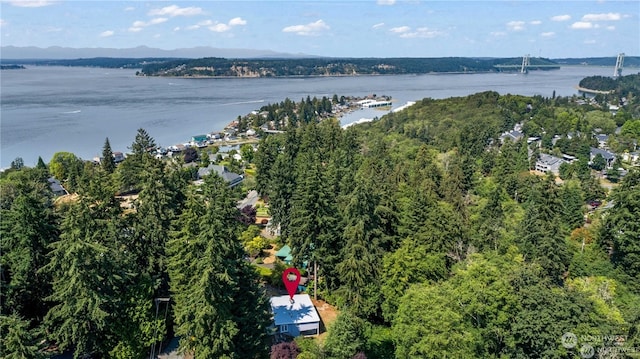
x,y
294,318
199,141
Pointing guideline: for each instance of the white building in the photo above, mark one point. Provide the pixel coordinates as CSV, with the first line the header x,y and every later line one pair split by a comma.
x,y
547,163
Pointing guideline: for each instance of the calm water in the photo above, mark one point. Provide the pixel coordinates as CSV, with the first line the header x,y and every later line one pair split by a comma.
x,y
49,109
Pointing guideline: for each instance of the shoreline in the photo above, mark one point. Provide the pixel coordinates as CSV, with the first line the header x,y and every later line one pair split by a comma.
x,y
597,92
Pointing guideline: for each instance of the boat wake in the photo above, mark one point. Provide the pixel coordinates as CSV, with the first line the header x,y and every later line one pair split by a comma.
x,y
70,112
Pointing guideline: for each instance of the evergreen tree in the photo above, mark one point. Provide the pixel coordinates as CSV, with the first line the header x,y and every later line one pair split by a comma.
x,y
27,230
41,165
143,143
358,268
155,210
18,340
86,279
491,221
572,205
283,182
313,235
543,238
621,229
220,311
108,163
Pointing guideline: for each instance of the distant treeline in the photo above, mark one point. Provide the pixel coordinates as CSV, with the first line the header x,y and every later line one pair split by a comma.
x,y
220,67
629,61
106,62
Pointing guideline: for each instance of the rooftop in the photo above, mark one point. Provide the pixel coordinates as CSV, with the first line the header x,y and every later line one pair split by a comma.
x,y
299,312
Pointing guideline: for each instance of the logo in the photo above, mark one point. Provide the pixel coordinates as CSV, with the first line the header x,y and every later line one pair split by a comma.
x,y
587,351
569,340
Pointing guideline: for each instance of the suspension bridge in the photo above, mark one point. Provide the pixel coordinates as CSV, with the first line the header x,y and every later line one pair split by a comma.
x,y
525,66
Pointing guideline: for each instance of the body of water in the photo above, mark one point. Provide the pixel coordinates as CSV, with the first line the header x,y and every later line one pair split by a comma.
x,y
44,110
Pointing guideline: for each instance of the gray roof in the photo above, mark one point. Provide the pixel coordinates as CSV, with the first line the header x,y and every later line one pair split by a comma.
x,y
56,186
222,171
605,154
513,134
549,160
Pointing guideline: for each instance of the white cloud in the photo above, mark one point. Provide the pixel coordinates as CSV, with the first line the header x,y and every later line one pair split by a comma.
x,y
310,29
561,18
177,28
237,21
31,3
548,34
139,25
386,2
3,23
498,33
589,42
581,25
602,17
421,32
378,25
107,33
535,22
175,10
204,23
515,25
220,28
611,28
158,20
129,8
400,29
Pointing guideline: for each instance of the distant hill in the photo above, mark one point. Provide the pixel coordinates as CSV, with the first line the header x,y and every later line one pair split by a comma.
x,y
57,53
629,61
221,67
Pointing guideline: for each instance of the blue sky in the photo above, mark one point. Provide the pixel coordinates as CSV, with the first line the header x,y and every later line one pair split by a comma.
x,y
355,28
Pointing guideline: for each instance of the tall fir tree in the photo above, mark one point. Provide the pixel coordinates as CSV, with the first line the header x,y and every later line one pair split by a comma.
x,y
107,162
220,311
27,230
358,269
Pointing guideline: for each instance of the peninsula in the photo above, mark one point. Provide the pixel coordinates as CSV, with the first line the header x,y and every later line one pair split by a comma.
x,y
311,67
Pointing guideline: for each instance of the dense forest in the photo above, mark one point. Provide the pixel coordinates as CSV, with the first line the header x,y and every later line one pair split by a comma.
x,y
623,85
327,66
432,237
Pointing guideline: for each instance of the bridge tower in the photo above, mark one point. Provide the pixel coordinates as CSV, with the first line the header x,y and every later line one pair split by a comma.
x,y
525,64
619,63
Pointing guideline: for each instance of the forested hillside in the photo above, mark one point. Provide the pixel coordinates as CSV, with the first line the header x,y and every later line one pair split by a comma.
x,y
431,234
327,66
